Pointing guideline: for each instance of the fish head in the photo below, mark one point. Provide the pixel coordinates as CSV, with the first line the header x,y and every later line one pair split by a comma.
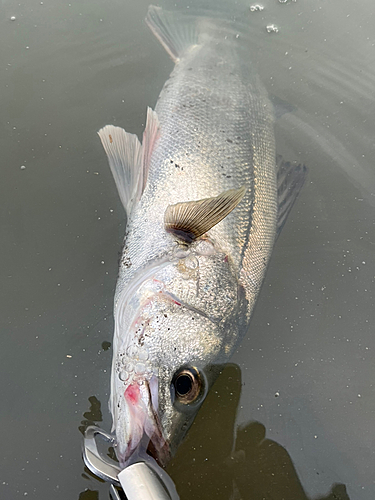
x,y
159,391
169,359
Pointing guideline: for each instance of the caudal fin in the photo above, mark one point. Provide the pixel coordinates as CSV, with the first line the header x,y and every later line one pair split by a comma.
x,y
174,31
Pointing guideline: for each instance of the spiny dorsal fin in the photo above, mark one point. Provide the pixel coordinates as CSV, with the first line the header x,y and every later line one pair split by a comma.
x,y
190,220
128,159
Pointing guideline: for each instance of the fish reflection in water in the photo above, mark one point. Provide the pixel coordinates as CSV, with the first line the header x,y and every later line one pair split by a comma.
x,y
222,461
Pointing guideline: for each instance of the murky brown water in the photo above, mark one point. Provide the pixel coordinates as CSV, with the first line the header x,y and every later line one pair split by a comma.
x,y
293,417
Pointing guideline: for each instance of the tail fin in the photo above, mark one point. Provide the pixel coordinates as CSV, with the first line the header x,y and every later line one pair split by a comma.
x,y
174,31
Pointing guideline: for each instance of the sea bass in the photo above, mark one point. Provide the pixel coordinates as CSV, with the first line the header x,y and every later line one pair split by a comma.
x,y
204,200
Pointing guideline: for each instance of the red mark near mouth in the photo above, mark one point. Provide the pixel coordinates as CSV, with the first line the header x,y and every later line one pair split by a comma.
x,y
132,394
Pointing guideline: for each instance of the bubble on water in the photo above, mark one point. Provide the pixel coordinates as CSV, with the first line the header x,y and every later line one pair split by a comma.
x,y
123,375
179,252
148,369
143,355
272,28
204,247
23,167
256,8
132,351
191,262
13,18
140,368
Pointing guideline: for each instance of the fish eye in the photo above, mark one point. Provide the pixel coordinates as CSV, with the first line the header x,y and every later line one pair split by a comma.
x,y
187,385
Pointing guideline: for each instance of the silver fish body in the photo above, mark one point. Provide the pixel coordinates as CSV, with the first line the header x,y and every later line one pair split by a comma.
x,y
181,309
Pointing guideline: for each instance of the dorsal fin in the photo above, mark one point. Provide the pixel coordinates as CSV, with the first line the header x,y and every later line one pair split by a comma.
x,y
190,220
128,159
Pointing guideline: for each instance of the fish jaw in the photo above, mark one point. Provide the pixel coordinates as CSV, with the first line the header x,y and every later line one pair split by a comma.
x,y
138,428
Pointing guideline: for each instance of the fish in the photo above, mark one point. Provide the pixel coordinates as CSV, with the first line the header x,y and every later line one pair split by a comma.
x,y
205,198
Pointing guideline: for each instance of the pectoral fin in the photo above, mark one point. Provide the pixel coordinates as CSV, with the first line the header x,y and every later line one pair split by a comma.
x,y
190,220
290,179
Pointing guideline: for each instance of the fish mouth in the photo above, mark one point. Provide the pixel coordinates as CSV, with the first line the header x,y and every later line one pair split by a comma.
x,y
143,432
